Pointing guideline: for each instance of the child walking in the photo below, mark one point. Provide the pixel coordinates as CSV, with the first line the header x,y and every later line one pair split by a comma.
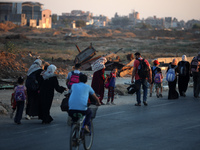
x,y
111,87
20,97
158,82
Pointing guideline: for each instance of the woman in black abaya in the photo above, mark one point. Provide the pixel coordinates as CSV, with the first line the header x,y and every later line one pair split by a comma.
x,y
47,93
184,77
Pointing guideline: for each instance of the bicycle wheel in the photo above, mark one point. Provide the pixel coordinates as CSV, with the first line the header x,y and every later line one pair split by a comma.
x,y
88,138
74,138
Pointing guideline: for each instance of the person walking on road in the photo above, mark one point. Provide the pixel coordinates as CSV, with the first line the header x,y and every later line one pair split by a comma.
x,y
195,69
172,94
98,77
20,94
141,73
73,76
33,83
154,71
158,82
184,75
111,87
47,93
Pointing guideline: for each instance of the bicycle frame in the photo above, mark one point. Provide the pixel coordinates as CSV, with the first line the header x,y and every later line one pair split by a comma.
x,y
81,137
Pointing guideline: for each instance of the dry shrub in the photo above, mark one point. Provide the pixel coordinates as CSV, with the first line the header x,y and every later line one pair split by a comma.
x,y
8,25
129,35
117,32
56,33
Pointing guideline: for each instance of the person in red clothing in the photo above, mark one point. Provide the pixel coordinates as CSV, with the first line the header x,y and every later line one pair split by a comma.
x,y
98,77
141,79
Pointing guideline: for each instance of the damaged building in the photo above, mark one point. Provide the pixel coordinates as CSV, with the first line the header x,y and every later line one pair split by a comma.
x,y
25,13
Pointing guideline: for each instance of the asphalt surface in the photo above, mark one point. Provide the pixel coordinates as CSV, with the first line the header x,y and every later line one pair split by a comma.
x,y
163,124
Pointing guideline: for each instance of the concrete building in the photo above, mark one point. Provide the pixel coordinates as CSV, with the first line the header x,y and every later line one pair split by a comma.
x,y
33,11
12,12
190,23
46,18
155,22
134,17
168,22
25,13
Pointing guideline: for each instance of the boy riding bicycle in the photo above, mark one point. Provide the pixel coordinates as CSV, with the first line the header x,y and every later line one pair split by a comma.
x,y
78,101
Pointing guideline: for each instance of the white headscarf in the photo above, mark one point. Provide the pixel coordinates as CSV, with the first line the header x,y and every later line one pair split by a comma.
x,y
35,66
99,64
184,58
50,72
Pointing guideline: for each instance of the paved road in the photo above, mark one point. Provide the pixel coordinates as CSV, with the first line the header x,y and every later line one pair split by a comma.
x,y
164,124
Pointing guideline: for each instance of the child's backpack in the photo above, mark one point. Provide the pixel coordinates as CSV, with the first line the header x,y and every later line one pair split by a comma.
x,y
157,78
20,93
171,75
154,71
182,69
195,64
74,79
142,69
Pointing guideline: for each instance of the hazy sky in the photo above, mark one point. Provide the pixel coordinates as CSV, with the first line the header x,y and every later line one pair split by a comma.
x,y
181,9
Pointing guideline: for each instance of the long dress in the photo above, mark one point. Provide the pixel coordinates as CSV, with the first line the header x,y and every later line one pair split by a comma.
x,y
46,98
98,83
183,80
32,107
173,94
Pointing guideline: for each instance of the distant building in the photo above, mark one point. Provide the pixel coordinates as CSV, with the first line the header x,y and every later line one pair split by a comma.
x,y
168,22
134,17
190,23
46,18
155,22
25,13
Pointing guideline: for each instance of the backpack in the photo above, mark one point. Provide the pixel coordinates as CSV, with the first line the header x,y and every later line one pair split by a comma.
x,y
154,71
195,64
20,94
74,79
32,83
142,69
157,78
182,69
171,75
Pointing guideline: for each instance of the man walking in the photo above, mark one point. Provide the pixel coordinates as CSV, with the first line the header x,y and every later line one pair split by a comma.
x,y
141,72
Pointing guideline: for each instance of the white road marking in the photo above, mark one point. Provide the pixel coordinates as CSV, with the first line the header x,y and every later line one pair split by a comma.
x,y
191,127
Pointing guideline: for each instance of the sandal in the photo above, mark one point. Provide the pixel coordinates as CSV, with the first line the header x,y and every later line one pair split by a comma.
x,y
137,104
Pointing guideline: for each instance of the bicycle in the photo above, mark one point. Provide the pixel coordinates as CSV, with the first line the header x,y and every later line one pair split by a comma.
x,y
78,135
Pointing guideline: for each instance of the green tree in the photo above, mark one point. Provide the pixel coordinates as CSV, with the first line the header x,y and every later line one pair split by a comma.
x,y
80,23
146,26
196,26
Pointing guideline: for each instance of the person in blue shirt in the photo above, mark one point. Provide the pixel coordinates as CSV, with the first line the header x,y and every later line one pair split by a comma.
x,y
78,100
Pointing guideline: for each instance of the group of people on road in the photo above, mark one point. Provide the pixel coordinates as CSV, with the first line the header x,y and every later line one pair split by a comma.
x,y
41,83
39,86
177,71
